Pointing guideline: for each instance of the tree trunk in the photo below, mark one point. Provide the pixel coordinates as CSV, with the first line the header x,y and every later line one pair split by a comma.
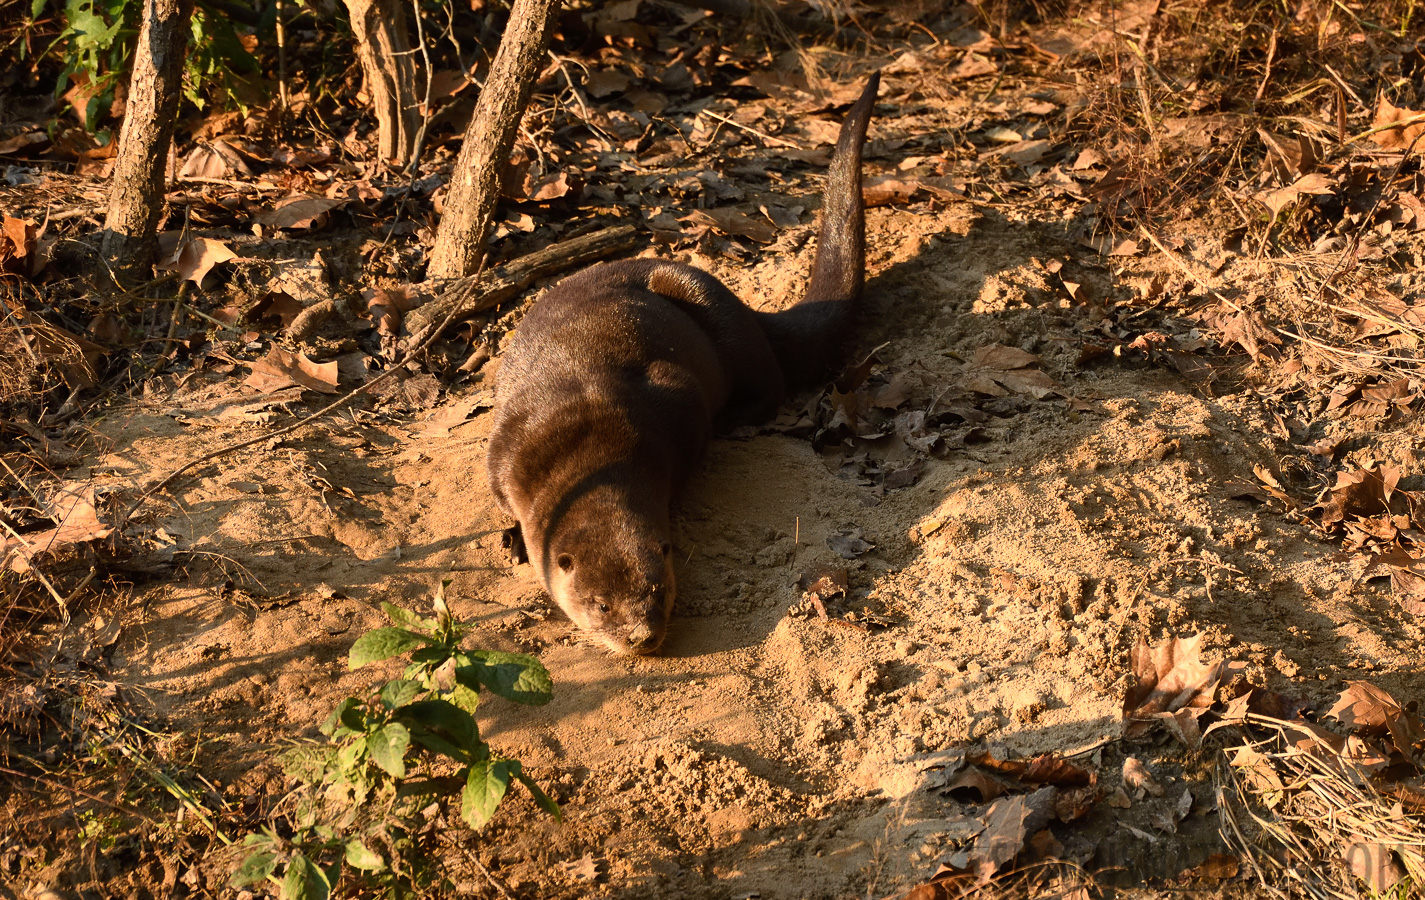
x,y
136,197
384,48
475,183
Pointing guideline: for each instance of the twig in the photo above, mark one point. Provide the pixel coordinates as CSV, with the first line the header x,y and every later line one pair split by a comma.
x,y
489,876
496,285
282,57
57,785
763,135
1186,270
1267,75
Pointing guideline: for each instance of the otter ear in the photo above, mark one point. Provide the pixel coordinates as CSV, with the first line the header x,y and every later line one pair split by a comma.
x,y
665,548
565,563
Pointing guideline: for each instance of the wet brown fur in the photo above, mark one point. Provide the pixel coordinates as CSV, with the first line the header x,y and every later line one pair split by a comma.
x,y
613,385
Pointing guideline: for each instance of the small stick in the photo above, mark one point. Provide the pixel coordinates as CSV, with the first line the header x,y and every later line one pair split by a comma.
x,y
763,135
1177,261
282,57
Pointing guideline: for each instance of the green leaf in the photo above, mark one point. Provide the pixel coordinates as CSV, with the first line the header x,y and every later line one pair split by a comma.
x,y
545,802
485,786
339,717
464,697
429,657
363,857
445,717
256,867
514,676
387,746
405,618
383,643
437,743
398,693
446,729
304,881
350,756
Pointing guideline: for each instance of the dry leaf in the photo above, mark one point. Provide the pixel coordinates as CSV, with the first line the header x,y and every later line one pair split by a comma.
x,y
848,543
1217,867
72,508
283,368
736,222
1400,135
1374,864
196,257
1172,683
1137,777
300,211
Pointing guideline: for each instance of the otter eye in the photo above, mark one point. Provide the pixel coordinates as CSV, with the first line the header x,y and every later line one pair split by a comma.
x,y
665,548
565,562
604,608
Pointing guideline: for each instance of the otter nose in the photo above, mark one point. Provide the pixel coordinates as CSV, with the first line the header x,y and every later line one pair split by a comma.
x,y
642,638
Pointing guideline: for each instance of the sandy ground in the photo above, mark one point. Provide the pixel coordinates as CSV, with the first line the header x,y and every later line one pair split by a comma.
x,y
768,752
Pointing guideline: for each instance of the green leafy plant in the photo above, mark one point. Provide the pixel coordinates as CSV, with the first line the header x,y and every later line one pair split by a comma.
x,y
410,742
96,44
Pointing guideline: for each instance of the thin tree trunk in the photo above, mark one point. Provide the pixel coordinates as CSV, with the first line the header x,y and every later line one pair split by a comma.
x,y
384,47
136,196
475,184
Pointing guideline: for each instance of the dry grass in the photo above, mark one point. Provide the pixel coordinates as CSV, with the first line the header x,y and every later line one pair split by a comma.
x,y
1309,822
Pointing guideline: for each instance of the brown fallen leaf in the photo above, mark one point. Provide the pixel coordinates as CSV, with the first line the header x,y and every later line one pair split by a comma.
x,y
1370,709
18,238
1007,823
1217,867
195,257
72,508
298,211
1374,864
1363,492
1000,370
216,159
1313,185
1245,328
1138,779
974,786
1407,577
1047,768
453,415
1172,684
24,144
736,222
585,868
889,190
283,368
546,188
825,582
278,305
848,543
1401,135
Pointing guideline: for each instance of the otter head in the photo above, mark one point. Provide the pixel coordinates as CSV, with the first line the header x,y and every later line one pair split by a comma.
x,y
616,585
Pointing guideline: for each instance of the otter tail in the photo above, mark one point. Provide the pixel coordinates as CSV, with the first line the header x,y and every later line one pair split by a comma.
x,y
808,336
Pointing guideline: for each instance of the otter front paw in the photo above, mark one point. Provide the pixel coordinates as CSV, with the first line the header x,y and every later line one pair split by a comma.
x,y
512,539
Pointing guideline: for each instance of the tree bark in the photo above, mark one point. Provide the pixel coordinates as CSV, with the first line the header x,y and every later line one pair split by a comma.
x,y
137,193
384,48
475,183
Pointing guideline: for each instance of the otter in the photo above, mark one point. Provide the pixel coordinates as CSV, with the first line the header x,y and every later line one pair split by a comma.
x,y
615,381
